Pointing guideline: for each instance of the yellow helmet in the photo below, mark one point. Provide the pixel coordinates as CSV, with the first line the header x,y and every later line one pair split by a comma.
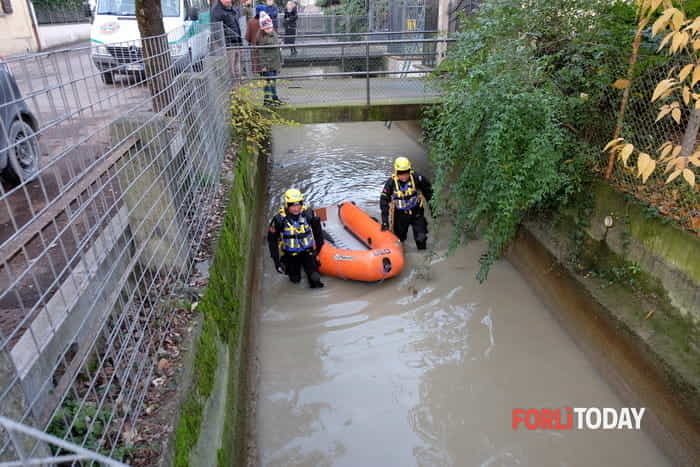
x,y
292,196
402,164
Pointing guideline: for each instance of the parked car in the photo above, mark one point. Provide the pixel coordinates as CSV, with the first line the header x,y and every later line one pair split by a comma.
x,y
19,144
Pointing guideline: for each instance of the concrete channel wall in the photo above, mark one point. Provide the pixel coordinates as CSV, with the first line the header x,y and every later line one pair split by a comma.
x,y
668,254
642,343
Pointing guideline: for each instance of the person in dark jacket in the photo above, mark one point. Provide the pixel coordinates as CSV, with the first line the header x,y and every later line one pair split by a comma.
x,y
270,58
295,237
290,25
403,202
223,12
272,12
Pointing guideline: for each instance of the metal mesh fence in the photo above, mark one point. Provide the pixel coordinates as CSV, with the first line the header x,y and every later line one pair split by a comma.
x,y
676,200
347,72
112,158
402,15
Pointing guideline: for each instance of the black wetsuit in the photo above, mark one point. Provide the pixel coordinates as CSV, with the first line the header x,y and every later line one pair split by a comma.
x,y
415,215
293,262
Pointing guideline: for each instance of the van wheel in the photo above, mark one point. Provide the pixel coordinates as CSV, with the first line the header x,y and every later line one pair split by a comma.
x,y
23,157
107,77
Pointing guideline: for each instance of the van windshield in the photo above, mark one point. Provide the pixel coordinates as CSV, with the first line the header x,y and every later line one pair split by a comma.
x,y
127,7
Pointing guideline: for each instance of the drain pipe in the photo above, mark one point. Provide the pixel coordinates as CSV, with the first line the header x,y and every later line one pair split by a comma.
x,y
35,29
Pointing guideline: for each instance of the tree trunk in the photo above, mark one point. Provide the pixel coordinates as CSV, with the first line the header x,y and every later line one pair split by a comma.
x,y
626,94
157,61
691,133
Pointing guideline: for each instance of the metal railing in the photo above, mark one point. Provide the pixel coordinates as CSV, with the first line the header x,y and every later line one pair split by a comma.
x,y
15,430
375,71
117,154
357,36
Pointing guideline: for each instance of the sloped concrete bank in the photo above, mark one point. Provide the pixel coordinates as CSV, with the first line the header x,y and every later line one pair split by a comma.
x,y
646,347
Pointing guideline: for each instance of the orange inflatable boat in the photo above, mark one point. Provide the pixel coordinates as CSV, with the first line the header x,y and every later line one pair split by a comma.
x,y
383,260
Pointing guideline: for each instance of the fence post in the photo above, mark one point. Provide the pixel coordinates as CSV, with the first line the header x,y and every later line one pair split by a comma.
x,y
367,69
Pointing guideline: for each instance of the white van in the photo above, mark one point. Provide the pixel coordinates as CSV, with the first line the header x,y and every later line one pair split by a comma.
x,y
116,42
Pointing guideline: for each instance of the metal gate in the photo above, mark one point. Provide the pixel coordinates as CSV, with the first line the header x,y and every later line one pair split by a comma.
x,y
399,15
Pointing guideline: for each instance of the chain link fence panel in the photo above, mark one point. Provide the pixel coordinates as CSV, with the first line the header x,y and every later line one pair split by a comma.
x,y
676,200
117,152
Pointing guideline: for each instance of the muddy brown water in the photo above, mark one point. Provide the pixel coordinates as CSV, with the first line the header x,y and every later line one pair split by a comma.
x,y
423,369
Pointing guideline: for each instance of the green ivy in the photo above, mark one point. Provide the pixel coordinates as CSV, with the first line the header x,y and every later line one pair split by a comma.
x,y
89,425
527,96
250,120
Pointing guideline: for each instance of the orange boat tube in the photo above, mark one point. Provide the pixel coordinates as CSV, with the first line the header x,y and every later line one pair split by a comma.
x,y
383,260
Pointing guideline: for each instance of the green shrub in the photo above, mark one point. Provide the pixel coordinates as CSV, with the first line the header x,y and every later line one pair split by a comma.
x,y
528,88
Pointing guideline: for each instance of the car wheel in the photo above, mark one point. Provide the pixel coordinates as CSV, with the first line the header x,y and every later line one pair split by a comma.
x,y
23,156
107,77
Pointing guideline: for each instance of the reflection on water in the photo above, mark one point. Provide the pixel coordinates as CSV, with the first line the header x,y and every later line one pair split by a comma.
x,y
423,369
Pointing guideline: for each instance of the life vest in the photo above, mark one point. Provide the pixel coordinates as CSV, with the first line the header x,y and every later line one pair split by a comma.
x,y
405,195
297,235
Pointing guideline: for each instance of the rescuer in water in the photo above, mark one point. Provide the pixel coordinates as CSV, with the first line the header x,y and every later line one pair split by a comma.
x,y
295,237
403,201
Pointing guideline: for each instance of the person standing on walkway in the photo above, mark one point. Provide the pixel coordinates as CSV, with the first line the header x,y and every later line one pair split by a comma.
x,y
290,25
294,238
224,13
270,59
273,12
403,201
